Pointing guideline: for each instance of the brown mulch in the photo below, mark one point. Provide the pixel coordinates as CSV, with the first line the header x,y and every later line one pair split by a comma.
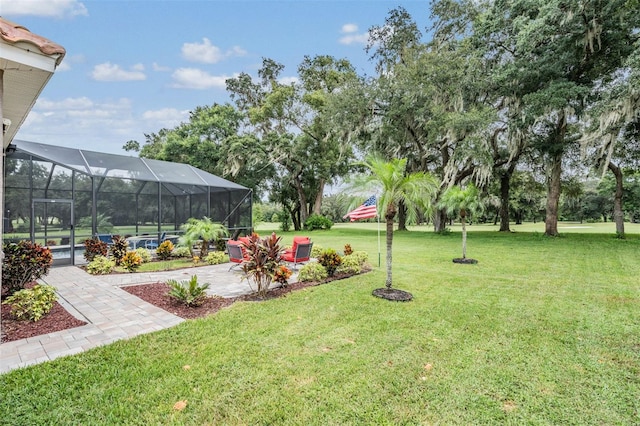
x,y
156,294
56,320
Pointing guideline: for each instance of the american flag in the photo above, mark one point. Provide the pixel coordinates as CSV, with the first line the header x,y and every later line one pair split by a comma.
x,y
367,210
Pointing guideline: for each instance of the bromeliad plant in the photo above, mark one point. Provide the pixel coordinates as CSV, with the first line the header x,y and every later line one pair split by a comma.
x,y
189,292
262,262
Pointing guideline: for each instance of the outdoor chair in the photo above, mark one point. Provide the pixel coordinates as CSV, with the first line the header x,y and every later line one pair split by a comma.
x,y
300,252
236,253
105,238
153,244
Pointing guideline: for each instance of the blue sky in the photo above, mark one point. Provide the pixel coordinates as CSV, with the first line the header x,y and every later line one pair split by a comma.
x,y
134,67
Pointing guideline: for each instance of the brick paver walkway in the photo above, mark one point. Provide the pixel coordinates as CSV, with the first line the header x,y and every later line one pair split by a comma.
x,y
111,313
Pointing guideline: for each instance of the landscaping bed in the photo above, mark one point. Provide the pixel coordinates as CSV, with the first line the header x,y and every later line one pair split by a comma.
x,y
57,319
156,294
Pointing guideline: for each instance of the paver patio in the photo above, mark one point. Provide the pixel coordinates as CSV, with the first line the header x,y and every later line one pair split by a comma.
x,y
111,313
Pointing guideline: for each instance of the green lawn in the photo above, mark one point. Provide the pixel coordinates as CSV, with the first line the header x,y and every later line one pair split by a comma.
x,y
541,331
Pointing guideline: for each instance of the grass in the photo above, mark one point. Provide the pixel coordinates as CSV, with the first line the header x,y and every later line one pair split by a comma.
x,y
164,265
541,331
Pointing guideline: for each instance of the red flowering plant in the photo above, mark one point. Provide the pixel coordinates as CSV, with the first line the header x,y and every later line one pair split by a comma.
x,y
282,275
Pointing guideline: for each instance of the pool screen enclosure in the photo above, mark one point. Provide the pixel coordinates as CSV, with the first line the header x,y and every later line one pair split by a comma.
x,y
57,195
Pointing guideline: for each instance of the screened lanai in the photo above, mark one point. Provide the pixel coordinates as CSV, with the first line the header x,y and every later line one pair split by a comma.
x,y
56,195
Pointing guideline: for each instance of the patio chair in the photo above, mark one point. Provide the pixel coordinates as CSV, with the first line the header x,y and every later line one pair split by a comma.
x,y
236,253
154,244
105,238
300,252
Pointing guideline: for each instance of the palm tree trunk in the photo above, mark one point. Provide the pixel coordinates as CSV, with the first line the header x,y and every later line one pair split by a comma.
x,y
464,237
389,245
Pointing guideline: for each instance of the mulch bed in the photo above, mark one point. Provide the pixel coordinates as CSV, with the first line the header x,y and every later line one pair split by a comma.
x,y
156,294
56,320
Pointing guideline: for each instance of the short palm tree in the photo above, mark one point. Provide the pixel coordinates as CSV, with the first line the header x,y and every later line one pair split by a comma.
x,y
391,180
462,202
204,230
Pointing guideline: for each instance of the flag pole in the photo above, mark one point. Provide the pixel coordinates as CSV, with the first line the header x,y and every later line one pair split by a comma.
x,y
378,240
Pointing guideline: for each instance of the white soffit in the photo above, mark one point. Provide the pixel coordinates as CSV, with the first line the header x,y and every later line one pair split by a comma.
x,y
27,69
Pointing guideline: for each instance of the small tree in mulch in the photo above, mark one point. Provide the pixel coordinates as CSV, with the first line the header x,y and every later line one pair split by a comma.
x,y
464,203
396,184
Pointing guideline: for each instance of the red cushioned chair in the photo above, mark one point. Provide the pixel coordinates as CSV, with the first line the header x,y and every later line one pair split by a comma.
x,y
300,252
236,252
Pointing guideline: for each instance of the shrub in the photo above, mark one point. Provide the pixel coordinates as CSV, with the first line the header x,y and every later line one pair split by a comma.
x,y
221,244
32,304
101,265
23,263
330,259
181,251
164,250
144,254
189,292
312,271
350,265
282,275
316,221
94,247
316,250
347,249
131,261
119,249
363,258
285,221
216,257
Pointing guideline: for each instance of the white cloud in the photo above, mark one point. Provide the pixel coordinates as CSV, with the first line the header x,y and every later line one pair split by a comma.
x,y
288,80
166,117
138,67
194,78
160,68
113,72
351,35
202,52
64,66
355,39
208,53
349,28
102,126
46,8
44,104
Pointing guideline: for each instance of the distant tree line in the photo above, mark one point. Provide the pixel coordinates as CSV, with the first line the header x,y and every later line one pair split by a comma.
x,y
537,103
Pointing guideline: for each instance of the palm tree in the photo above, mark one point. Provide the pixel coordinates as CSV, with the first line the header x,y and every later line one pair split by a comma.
x,y
462,202
391,180
202,229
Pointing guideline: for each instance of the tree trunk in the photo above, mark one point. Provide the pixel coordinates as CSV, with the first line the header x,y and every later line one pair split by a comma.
x,y
402,217
389,215
505,188
464,235
556,153
303,200
317,205
618,214
553,195
439,220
